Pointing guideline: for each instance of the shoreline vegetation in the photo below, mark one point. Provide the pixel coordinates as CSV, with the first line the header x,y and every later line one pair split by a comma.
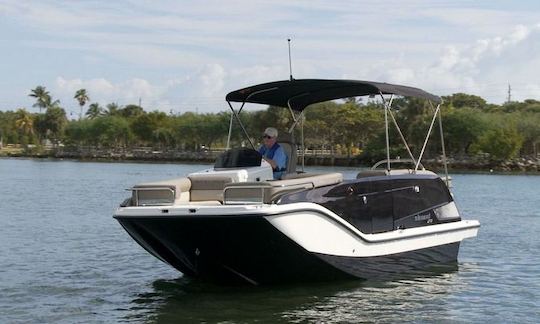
x,y
478,136
461,164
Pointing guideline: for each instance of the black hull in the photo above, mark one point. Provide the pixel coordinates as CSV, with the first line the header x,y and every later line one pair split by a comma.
x,y
417,262
231,249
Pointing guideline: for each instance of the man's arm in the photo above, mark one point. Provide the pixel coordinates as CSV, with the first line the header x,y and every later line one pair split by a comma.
x,y
271,162
280,159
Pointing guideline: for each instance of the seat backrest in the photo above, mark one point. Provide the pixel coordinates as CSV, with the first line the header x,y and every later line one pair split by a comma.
x,y
269,191
208,188
286,141
168,192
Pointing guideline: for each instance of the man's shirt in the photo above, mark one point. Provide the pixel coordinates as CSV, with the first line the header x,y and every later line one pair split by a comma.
x,y
277,154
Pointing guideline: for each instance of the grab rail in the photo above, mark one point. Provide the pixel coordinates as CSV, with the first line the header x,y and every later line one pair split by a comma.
x,y
135,191
376,165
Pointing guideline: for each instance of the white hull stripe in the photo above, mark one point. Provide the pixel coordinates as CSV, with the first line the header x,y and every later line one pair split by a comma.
x,y
318,233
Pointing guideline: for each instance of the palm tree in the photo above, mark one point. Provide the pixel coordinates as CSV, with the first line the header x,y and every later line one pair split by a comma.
x,y
55,123
43,98
112,109
24,122
82,98
94,111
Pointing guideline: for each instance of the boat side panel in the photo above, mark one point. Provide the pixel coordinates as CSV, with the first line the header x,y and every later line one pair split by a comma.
x,y
321,233
381,204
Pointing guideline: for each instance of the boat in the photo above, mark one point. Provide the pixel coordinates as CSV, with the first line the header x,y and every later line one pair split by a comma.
x,y
234,223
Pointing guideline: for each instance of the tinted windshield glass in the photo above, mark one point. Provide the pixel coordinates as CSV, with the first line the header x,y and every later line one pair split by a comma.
x,y
237,158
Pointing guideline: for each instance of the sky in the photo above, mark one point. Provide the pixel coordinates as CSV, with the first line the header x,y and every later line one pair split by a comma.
x,y
178,56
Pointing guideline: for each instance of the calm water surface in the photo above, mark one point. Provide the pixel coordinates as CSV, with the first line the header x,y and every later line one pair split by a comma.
x,y
64,259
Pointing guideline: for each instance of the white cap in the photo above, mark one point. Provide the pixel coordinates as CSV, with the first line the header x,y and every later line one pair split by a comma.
x,y
271,131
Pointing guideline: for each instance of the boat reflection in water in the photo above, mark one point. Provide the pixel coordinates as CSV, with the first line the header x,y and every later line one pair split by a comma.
x,y
397,300
236,223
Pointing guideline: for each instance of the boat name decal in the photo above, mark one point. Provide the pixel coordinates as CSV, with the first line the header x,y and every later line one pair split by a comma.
x,y
422,217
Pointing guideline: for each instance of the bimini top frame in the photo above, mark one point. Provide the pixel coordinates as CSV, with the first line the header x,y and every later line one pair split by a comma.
x,y
298,94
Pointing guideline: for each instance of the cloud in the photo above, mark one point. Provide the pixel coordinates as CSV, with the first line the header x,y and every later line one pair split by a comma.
x,y
177,34
203,90
199,90
104,91
485,67
184,56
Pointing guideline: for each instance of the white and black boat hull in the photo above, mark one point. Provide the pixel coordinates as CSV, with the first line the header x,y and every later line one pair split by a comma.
x,y
269,245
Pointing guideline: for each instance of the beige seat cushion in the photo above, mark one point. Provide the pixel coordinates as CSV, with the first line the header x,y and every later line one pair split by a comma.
x,y
316,180
207,188
271,190
180,187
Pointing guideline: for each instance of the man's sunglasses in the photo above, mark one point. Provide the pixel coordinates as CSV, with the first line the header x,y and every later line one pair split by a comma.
x,y
267,137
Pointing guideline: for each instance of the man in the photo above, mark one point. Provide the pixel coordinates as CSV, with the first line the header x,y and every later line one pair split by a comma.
x,y
273,153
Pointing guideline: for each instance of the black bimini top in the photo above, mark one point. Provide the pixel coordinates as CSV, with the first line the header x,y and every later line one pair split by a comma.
x,y
298,94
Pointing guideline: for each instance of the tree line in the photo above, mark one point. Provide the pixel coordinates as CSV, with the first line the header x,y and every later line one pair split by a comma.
x,y
352,127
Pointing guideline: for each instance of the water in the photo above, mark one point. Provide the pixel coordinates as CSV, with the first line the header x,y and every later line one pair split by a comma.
x,y
64,259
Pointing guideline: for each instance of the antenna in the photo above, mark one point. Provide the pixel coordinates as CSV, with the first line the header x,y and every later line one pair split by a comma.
x,y
509,94
290,64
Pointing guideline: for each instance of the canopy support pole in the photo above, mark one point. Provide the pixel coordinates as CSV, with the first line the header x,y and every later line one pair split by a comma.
x,y
299,119
230,131
303,119
445,162
236,115
402,137
427,137
241,124
386,108
295,120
